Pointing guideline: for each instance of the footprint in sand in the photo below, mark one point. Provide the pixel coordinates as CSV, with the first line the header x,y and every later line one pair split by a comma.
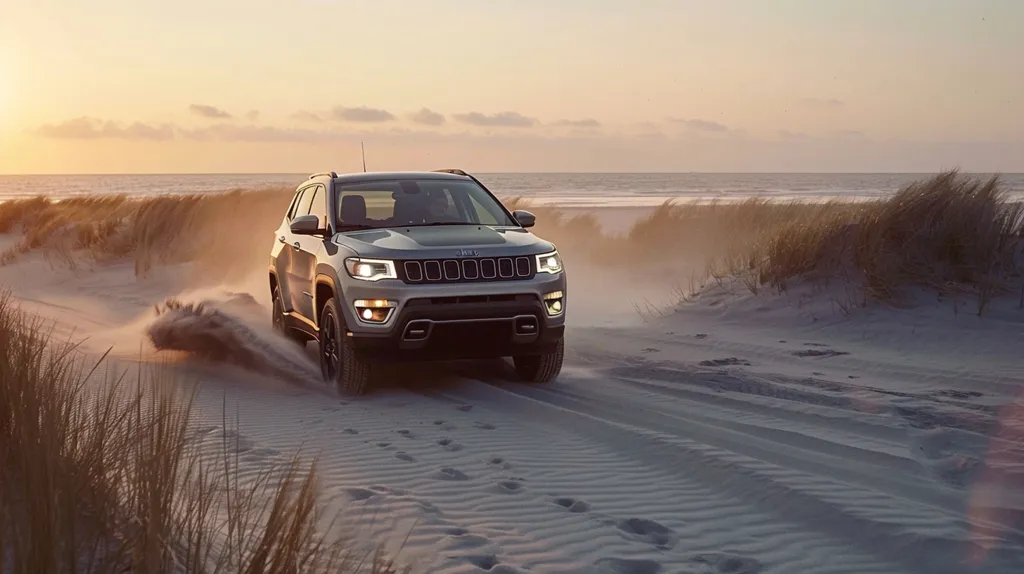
x,y
449,444
648,531
485,426
726,362
350,431
404,456
510,486
958,394
449,473
819,353
439,422
359,494
383,444
725,562
465,408
498,461
405,432
572,505
484,562
627,566
463,540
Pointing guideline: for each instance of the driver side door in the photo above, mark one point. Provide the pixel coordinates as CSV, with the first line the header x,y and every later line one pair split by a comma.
x,y
285,264
307,249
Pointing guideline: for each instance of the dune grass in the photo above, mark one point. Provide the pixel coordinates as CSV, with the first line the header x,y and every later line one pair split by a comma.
x,y
222,231
946,232
99,474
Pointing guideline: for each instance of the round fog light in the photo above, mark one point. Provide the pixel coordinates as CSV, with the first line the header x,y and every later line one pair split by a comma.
x,y
556,306
367,314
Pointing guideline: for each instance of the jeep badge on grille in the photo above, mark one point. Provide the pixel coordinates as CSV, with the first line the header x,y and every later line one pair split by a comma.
x,y
467,253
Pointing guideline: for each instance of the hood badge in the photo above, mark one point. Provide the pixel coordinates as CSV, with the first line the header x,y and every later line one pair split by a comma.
x,y
467,253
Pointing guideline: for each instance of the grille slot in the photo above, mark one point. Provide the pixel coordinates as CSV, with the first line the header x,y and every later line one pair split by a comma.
x,y
522,266
433,270
466,270
452,271
414,270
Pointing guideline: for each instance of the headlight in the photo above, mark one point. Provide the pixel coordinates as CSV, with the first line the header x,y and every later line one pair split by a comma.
x,y
370,269
549,263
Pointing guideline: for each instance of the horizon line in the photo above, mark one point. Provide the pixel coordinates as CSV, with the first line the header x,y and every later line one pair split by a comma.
x,y
307,174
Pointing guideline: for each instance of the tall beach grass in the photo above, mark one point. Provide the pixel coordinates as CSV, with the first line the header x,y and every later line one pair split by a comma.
x,y
102,474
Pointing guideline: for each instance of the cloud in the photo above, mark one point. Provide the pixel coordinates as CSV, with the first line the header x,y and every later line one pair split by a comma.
x,y
361,114
208,111
427,117
85,128
788,135
502,119
583,123
306,116
822,103
701,125
252,115
259,134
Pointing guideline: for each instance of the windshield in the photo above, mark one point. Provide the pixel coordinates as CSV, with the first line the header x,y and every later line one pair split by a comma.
x,y
412,202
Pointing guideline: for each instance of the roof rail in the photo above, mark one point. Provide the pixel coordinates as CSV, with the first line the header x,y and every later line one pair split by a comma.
x,y
452,171
333,174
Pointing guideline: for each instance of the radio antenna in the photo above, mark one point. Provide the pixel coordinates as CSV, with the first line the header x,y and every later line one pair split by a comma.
x,y
363,150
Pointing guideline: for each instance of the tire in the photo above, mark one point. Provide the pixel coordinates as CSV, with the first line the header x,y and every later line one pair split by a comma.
x,y
340,364
277,320
540,369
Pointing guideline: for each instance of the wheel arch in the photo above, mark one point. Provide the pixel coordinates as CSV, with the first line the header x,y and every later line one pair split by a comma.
x,y
327,287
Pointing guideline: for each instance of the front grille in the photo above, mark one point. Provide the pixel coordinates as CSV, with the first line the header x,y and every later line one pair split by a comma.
x,y
466,270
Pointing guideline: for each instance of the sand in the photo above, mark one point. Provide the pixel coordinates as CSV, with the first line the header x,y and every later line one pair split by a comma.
x,y
735,433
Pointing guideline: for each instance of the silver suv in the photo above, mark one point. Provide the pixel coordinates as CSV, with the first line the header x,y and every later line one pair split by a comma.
x,y
415,266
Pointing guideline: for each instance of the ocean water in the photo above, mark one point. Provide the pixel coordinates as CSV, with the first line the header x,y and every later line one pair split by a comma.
x,y
569,190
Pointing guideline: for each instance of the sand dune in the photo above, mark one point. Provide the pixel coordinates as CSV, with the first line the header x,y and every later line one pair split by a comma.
x,y
734,432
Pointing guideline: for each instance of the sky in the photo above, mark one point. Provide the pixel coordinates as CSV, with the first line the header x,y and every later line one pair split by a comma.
x,y
233,86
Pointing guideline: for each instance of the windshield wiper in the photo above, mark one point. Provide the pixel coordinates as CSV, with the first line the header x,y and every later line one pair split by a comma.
x,y
355,227
441,223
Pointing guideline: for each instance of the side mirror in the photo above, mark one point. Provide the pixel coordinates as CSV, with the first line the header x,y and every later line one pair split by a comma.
x,y
306,225
525,218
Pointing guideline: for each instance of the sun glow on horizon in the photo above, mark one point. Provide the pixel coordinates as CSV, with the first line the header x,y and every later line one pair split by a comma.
x,y
6,91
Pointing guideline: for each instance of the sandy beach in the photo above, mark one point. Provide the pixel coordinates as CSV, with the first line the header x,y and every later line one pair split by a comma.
x,y
724,431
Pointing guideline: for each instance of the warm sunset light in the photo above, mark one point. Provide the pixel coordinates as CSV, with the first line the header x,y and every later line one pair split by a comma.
x,y
6,90
545,286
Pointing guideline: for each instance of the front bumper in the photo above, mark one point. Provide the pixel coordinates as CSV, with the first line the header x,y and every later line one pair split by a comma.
x,y
439,322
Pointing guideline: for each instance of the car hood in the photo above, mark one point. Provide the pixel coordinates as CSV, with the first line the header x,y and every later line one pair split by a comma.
x,y
442,241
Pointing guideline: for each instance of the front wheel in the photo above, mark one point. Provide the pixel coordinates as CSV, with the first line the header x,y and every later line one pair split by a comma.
x,y
340,364
542,368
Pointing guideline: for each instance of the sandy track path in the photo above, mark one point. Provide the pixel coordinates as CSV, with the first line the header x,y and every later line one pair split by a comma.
x,y
627,464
